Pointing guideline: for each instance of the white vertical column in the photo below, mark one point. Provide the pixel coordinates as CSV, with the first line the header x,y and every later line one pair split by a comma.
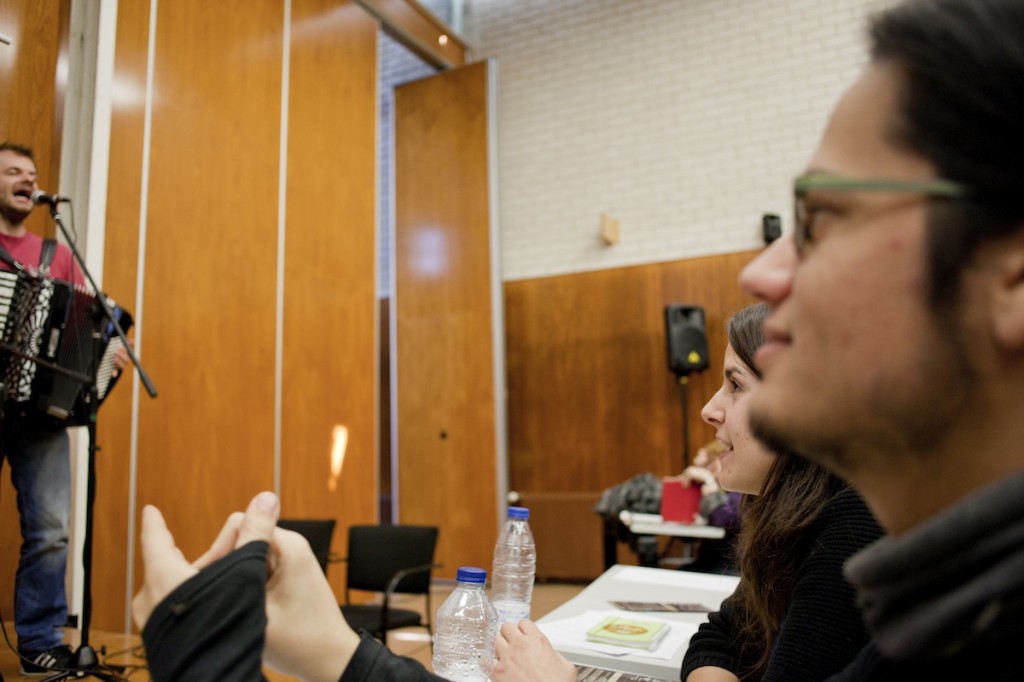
x,y
282,213
140,279
497,294
88,75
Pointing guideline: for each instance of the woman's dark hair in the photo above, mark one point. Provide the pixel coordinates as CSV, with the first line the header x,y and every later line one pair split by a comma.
x,y
774,523
746,333
961,106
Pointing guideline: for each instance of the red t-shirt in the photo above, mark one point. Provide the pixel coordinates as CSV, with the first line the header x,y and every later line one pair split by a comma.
x,y
28,249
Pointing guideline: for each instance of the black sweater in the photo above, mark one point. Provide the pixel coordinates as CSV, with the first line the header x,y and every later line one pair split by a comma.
x,y
945,600
822,630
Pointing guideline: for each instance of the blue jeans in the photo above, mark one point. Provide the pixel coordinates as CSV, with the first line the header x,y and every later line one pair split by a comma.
x,y
39,456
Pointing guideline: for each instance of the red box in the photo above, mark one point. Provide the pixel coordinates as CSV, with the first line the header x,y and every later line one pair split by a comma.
x,y
680,502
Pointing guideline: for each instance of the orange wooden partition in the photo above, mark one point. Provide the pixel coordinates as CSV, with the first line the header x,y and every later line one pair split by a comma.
x,y
444,310
248,205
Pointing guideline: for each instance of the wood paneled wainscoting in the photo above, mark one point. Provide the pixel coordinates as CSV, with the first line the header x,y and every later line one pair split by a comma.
x,y
591,400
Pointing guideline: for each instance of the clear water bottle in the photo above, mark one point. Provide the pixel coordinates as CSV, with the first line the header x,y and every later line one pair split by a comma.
x,y
515,566
467,626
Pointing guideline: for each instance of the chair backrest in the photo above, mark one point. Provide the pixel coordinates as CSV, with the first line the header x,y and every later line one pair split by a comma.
x,y
318,532
375,553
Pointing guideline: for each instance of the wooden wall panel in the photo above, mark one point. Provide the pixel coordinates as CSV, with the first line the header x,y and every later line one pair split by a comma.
x,y
206,443
112,509
32,88
28,115
208,335
591,401
330,304
446,404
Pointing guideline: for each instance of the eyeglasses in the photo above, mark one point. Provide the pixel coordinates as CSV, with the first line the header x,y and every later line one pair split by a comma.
x,y
804,219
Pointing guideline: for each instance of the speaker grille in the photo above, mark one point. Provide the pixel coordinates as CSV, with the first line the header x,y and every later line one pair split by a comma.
x,y
686,340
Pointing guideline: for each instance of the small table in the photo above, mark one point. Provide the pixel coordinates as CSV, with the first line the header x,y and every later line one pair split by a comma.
x,y
653,524
638,583
644,529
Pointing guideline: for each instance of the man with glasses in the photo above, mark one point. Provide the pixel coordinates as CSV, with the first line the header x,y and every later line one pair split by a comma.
x,y
895,352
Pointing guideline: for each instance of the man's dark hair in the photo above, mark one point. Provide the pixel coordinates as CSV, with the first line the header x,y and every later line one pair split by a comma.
x,y
19,149
961,106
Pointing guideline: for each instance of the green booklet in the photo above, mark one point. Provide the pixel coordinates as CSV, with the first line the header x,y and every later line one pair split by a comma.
x,y
639,634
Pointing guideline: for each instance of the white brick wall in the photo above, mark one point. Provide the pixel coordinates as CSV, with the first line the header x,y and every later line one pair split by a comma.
x,y
684,119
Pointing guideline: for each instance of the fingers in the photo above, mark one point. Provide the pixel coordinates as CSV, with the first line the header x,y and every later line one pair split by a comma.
x,y
506,633
524,654
510,633
156,538
530,629
164,565
695,473
257,523
260,519
226,541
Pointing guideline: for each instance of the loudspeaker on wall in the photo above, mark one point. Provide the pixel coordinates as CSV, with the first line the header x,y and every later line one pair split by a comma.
x,y
771,227
685,337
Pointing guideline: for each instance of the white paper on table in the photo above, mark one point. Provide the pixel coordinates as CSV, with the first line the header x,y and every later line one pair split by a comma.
x,y
573,632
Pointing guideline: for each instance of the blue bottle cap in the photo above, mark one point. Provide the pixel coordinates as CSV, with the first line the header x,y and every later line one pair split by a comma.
x,y
468,574
518,513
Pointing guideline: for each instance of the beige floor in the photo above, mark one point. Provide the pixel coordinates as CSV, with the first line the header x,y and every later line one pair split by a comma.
x,y
125,649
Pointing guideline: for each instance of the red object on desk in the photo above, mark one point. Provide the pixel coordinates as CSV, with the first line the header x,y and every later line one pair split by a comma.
x,y
680,502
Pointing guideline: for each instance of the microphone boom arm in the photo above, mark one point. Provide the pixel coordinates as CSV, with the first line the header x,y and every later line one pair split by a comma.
x,y
53,202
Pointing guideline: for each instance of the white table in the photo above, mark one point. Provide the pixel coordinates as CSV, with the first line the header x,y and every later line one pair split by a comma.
x,y
637,583
653,524
649,525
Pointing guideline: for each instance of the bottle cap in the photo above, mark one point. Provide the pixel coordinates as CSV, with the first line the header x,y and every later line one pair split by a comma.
x,y
468,574
518,513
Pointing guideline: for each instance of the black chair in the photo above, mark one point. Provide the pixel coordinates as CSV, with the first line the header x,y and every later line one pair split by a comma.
x,y
389,560
318,532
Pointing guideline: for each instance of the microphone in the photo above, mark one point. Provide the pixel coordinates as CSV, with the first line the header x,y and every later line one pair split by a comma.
x,y
41,197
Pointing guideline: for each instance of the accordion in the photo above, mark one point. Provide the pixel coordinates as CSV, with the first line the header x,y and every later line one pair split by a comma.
x,y
56,344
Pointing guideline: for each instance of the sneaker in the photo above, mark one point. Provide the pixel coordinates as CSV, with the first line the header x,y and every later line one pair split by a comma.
x,y
47,662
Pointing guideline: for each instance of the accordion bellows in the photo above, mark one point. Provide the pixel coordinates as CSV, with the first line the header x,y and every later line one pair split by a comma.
x,y
56,345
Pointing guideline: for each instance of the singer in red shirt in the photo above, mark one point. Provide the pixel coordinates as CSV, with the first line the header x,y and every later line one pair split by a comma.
x,y
36,448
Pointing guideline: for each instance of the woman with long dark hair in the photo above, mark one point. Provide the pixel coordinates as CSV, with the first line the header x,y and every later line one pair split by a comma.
x,y
793,615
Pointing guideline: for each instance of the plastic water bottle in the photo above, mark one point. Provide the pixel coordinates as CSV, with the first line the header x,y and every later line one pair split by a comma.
x,y
515,565
467,626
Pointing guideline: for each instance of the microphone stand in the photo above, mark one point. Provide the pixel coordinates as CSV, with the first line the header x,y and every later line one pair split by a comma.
x,y
684,381
108,313
85,662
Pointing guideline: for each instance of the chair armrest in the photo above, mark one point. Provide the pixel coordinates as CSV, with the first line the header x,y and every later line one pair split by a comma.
x,y
400,575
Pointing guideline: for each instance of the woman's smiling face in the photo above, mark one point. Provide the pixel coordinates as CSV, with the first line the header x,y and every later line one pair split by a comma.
x,y
745,462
